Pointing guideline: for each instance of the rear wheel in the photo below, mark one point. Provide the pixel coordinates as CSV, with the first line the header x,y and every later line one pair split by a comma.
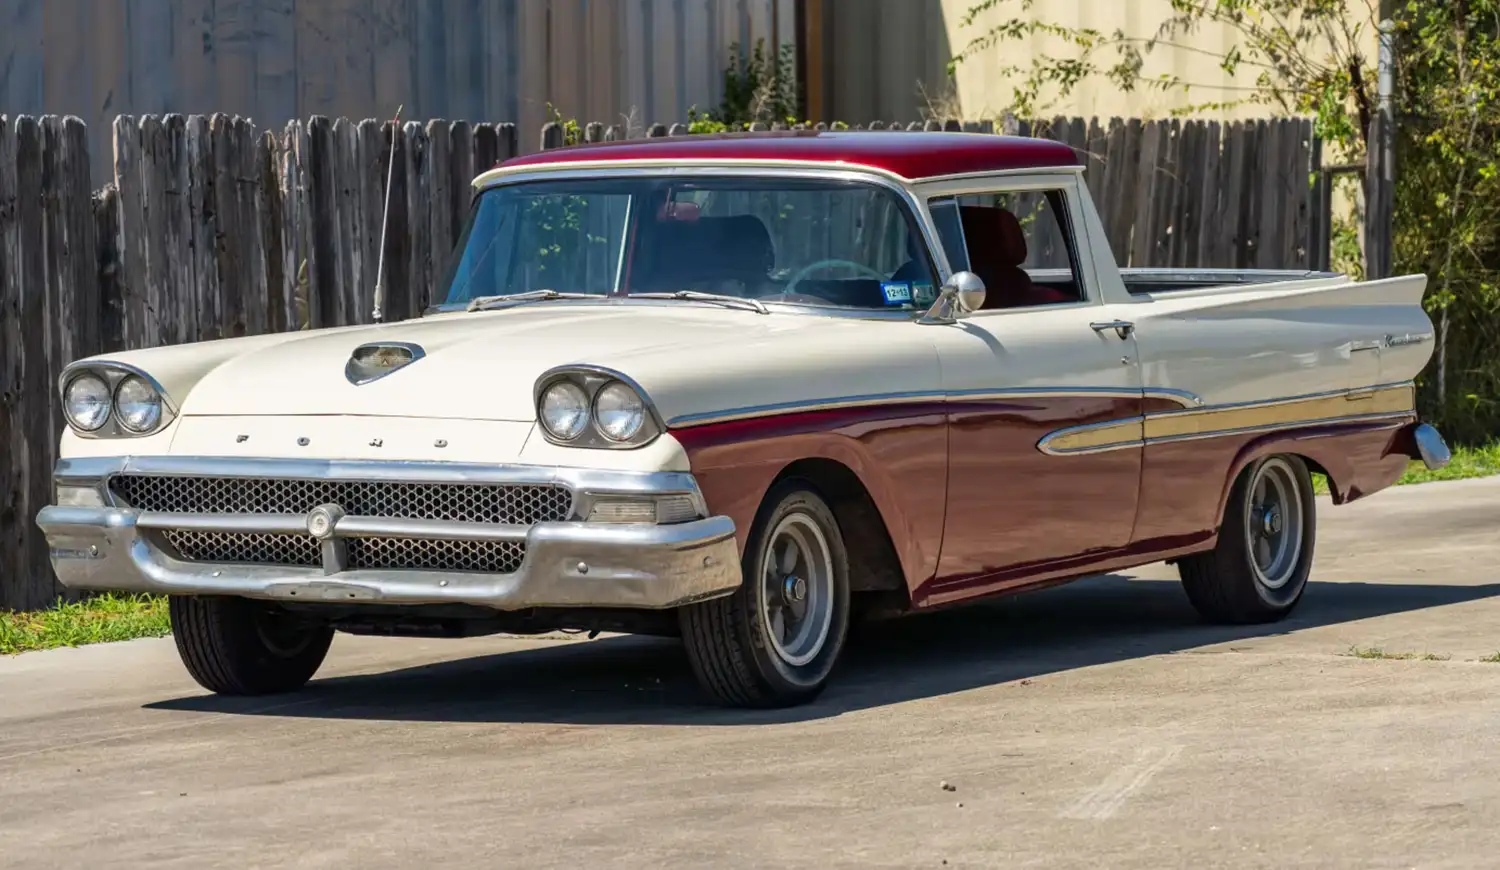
x,y
1259,568
775,641
236,646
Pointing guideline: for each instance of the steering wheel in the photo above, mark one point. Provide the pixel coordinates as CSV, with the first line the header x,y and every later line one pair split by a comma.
x,y
817,264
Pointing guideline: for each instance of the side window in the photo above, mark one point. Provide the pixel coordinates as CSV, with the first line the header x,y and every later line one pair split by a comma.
x,y
1017,242
950,232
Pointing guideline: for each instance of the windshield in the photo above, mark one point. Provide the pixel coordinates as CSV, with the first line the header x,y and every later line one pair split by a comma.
x,y
818,242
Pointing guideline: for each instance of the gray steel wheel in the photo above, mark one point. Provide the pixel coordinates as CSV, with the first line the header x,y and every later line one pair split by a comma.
x,y
1259,568
775,640
796,595
1274,523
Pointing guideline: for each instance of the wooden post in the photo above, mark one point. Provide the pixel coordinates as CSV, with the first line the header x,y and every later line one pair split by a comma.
x,y
1380,172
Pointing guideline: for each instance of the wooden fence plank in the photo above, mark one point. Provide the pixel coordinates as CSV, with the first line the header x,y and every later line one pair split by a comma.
x,y
13,425
32,456
418,201
441,231
1208,196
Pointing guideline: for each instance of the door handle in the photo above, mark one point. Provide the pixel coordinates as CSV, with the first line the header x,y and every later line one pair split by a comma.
x,y
1122,328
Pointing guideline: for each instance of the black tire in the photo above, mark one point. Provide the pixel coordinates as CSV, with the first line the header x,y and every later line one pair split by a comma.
x,y
235,646
1226,584
729,640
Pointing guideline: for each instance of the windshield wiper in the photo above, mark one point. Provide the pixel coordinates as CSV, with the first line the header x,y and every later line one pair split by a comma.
x,y
484,303
696,296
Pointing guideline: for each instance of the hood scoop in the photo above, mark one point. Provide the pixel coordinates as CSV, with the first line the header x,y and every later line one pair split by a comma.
x,y
373,361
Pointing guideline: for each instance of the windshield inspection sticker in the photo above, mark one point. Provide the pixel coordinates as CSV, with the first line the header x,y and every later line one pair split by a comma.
x,y
896,292
923,293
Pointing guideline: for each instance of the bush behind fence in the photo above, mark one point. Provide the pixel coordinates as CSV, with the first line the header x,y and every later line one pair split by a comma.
x,y
211,228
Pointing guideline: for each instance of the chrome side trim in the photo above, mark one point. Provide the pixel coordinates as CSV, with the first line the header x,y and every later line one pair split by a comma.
x,y
1048,444
1351,394
1272,427
1182,397
1138,423
1044,444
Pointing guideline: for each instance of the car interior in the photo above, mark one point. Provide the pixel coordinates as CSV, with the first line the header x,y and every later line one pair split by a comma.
x,y
682,248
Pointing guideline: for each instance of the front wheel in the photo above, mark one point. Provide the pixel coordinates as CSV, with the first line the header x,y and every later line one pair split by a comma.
x,y
236,646
1259,568
774,642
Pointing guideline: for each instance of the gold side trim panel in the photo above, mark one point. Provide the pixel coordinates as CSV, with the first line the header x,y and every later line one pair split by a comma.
x,y
1368,404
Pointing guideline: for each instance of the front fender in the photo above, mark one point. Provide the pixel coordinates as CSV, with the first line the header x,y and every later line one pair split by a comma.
x,y
898,452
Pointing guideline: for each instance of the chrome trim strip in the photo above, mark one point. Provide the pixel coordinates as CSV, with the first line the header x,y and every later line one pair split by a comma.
x,y
1181,397
1272,427
1316,423
432,530
685,421
344,527
1138,422
586,484
236,524
1352,394
504,174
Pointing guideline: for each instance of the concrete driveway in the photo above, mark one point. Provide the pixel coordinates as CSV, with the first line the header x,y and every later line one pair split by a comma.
x,y
1095,725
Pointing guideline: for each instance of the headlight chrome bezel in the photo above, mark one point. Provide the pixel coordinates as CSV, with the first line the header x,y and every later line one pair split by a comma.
x,y
592,380
113,374
104,388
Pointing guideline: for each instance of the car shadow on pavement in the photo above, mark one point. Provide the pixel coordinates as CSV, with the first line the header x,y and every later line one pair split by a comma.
x,y
644,681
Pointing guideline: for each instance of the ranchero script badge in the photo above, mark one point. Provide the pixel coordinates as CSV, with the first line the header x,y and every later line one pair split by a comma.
x,y
373,361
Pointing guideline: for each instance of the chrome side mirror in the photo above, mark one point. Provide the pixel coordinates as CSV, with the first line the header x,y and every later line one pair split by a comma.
x,y
961,296
967,290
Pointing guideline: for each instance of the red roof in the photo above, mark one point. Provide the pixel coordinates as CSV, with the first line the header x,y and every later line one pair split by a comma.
x,y
910,155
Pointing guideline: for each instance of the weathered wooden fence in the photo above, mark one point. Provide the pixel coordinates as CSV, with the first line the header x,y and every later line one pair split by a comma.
x,y
210,228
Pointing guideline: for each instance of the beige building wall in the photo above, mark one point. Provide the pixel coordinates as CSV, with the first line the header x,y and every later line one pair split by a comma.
x,y
884,60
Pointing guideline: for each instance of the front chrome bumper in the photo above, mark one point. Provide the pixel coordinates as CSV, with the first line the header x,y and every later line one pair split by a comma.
x,y
572,563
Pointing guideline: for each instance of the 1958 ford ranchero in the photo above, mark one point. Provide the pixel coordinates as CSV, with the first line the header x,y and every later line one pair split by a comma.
x,y
738,389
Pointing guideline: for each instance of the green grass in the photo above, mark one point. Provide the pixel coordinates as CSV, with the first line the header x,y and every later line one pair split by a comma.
x,y
1467,462
1376,652
1494,659
95,620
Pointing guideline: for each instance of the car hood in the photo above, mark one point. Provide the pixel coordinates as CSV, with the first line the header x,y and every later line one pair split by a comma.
x,y
480,366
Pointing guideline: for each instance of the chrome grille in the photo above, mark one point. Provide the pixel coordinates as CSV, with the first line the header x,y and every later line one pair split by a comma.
x,y
245,549
508,504
490,557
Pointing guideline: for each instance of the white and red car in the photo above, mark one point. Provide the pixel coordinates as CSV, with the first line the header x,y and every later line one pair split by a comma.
x,y
738,389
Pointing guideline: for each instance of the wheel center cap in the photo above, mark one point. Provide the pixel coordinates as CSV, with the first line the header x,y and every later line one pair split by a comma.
x,y
794,588
1270,520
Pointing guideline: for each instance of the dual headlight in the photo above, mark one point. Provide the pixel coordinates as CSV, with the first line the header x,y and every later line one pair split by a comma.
x,y
594,408
101,402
